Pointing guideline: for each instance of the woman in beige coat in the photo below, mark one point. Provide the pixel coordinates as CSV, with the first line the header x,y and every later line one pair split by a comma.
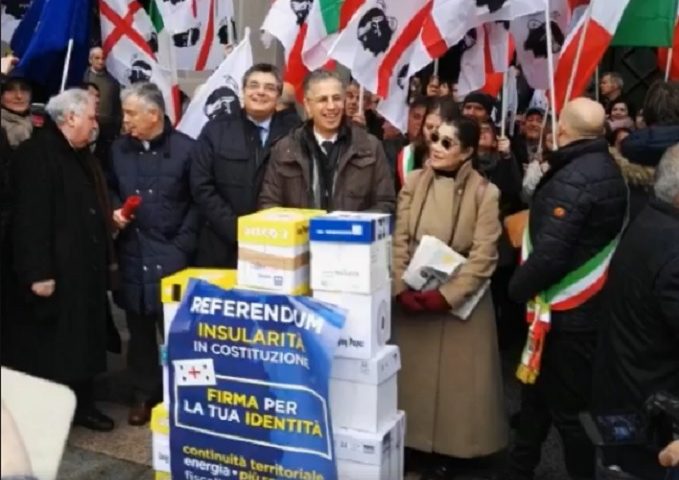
x,y
450,384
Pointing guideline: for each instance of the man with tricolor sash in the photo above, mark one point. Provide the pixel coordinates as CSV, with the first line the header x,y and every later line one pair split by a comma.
x,y
576,219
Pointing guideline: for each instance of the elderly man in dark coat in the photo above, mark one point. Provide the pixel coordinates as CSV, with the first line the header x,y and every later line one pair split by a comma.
x,y
638,350
151,161
62,255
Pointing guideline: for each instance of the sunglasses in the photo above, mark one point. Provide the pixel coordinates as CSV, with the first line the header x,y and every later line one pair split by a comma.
x,y
445,142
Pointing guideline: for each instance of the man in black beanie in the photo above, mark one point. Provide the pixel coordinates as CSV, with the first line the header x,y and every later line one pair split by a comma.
x,y
478,105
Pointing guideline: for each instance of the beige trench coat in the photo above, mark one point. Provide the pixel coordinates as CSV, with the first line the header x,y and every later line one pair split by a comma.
x,y
450,384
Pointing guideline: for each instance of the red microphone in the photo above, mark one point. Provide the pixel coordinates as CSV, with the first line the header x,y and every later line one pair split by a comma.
x,y
130,206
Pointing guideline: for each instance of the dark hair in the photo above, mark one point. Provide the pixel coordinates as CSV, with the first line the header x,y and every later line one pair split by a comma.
x,y
319,75
419,101
468,133
661,106
624,102
264,68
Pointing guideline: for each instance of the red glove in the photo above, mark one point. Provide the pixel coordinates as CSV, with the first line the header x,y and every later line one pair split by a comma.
x,y
130,206
409,302
432,301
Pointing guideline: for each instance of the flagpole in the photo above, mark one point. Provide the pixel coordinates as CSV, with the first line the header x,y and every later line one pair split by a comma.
x,y
596,83
576,62
550,67
503,114
361,94
67,64
668,65
436,67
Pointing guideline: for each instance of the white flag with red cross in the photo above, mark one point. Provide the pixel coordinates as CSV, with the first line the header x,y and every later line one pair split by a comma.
x,y
130,44
195,372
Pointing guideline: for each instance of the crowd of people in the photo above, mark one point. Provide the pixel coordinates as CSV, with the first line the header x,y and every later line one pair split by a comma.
x,y
602,192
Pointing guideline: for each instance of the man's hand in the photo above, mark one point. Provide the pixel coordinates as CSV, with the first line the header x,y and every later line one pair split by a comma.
x,y
120,221
359,118
669,457
44,288
7,63
504,146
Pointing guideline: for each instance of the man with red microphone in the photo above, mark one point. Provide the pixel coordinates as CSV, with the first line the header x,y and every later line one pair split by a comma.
x,y
149,184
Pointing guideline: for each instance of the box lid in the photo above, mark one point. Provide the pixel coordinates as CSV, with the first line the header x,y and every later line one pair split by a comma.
x,y
350,227
385,364
282,227
369,448
172,287
160,420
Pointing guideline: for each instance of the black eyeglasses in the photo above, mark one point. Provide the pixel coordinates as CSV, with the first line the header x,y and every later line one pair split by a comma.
x,y
445,142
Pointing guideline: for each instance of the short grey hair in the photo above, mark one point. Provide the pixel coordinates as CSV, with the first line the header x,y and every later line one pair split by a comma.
x,y
320,75
94,49
73,100
616,78
148,93
667,176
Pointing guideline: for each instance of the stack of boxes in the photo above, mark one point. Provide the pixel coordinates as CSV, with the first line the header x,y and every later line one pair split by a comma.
x,y
273,250
350,267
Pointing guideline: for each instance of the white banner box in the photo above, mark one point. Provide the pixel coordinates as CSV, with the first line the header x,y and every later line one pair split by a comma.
x,y
368,323
372,381
368,456
350,251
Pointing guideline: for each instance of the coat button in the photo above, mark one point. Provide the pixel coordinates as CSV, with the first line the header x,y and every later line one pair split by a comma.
x,y
145,268
93,211
136,229
137,192
151,191
158,267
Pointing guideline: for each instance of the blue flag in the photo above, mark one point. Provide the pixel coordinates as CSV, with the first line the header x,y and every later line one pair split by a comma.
x,y
41,41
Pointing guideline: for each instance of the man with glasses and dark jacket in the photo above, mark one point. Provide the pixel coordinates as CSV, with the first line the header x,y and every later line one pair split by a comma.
x,y
229,161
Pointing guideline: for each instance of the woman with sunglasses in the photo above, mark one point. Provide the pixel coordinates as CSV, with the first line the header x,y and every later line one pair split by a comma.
x,y
450,384
412,155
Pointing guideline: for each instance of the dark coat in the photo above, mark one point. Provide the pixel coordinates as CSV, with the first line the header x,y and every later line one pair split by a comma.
x,y
578,208
362,179
161,239
227,169
59,232
638,352
647,146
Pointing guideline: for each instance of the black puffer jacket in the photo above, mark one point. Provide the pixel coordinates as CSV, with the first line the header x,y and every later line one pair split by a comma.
x,y
578,208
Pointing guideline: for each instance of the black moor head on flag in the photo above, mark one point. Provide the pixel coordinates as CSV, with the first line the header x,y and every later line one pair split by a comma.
x,y
468,41
402,76
226,26
16,8
188,38
141,71
536,41
222,101
153,42
301,9
375,29
493,5
174,2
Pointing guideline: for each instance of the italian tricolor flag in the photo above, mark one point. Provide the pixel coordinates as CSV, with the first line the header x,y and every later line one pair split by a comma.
x,y
326,19
572,291
580,56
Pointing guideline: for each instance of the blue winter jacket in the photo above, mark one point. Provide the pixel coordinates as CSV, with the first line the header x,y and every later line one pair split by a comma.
x,y
161,239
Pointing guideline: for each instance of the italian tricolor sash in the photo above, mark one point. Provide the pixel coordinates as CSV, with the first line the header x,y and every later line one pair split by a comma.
x,y
572,291
405,163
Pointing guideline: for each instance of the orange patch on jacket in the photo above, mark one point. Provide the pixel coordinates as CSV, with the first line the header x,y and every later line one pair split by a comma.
x,y
559,212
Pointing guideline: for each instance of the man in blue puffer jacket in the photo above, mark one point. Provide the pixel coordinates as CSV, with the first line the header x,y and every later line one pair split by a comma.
x,y
151,161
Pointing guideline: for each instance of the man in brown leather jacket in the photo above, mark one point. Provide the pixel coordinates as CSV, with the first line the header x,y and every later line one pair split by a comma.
x,y
328,162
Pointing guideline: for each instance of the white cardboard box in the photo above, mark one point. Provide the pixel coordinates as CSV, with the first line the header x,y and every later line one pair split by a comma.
x,y
277,280
160,428
350,252
368,323
374,382
371,456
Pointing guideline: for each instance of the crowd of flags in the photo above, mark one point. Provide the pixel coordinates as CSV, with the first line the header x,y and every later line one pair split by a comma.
x,y
557,43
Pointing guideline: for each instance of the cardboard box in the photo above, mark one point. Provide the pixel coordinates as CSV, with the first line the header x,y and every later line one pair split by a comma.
x,y
160,428
273,250
368,322
363,456
372,381
350,251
